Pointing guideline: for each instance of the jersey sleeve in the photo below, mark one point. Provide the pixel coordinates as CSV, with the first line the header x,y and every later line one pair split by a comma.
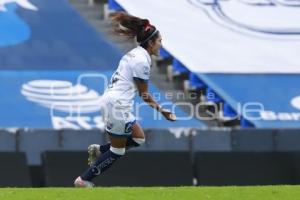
x,y
141,71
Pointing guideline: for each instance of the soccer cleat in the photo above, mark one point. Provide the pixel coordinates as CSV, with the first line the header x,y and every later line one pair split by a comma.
x,y
82,183
94,153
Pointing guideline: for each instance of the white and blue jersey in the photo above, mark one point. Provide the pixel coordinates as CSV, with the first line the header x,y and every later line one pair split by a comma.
x,y
119,97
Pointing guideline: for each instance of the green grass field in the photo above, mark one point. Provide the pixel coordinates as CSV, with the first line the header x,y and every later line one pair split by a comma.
x,y
153,193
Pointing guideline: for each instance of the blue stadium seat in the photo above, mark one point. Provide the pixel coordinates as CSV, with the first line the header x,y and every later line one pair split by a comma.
x,y
195,82
245,123
164,53
212,96
195,85
113,5
164,59
177,73
228,111
229,116
178,67
214,102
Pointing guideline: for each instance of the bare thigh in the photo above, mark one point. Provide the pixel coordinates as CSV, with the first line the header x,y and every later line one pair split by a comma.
x,y
117,142
120,142
137,131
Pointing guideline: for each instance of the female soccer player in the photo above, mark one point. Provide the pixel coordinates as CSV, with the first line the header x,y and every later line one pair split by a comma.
x,y
131,75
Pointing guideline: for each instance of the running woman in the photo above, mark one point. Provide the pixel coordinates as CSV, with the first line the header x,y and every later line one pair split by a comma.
x,y
131,76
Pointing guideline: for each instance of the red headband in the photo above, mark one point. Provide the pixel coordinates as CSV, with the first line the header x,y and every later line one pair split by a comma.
x,y
147,26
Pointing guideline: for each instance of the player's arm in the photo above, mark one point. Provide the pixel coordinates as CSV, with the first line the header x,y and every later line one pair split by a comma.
x,y
142,87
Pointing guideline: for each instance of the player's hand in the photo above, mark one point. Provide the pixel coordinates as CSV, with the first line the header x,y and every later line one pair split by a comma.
x,y
168,114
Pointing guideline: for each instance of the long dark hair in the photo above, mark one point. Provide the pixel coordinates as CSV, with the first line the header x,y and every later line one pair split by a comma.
x,y
132,26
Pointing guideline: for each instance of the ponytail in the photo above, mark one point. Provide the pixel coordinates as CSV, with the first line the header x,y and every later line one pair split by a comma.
x,y
132,26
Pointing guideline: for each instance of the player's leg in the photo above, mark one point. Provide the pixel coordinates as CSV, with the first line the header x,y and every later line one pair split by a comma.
x,y
119,127
95,150
136,139
104,161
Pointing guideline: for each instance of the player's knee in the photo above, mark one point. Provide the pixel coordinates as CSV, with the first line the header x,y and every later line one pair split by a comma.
x,y
117,152
139,141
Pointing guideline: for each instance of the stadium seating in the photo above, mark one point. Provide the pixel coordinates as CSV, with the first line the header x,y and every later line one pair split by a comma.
x,y
195,83
177,73
245,123
177,69
113,5
164,53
